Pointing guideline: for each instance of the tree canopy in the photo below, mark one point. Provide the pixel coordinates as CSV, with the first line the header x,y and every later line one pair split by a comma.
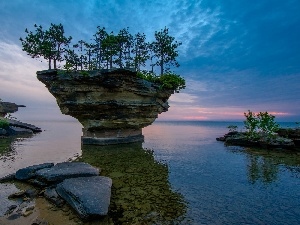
x,y
107,50
49,44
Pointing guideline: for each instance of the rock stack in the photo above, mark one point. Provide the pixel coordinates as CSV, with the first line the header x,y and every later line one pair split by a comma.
x,y
112,105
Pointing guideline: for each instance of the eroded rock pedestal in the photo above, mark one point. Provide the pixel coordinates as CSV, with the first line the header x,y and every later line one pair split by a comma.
x,y
112,105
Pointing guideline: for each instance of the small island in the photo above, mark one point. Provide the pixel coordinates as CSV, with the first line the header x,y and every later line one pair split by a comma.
x,y
101,83
261,131
112,105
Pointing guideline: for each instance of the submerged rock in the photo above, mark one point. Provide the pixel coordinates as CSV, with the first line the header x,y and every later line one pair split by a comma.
x,y
65,170
78,183
30,171
7,178
89,196
51,194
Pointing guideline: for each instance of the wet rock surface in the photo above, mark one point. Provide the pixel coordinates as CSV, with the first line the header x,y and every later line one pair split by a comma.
x,y
30,171
89,196
12,130
51,194
27,126
277,141
7,178
65,170
76,183
15,128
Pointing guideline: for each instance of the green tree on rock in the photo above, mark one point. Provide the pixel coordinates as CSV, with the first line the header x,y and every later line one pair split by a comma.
x,y
140,51
110,49
72,60
49,44
100,35
124,43
165,50
58,41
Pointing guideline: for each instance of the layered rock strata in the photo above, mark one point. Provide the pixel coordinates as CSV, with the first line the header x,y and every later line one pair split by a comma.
x,y
112,105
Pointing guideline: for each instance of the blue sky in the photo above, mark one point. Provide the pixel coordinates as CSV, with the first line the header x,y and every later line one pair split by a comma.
x,y
235,56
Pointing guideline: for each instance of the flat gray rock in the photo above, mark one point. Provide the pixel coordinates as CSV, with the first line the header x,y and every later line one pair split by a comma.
x,y
31,127
89,196
65,170
51,194
30,171
12,130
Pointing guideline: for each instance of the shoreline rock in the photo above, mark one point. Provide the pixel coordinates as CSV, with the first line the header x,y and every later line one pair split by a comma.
x,y
89,196
66,170
28,126
285,138
8,107
76,183
30,171
15,127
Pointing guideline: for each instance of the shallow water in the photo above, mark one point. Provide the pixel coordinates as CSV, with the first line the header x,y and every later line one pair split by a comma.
x,y
221,185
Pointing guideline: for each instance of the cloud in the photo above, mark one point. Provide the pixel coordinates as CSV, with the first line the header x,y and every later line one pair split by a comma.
x,y
18,82
235,56
182,98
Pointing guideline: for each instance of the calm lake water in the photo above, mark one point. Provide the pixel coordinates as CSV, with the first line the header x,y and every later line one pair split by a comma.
x,y
205,181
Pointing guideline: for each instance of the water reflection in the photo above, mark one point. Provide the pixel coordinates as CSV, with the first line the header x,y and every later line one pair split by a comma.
x,y
5,146
261,169
263,166
8,148
141,193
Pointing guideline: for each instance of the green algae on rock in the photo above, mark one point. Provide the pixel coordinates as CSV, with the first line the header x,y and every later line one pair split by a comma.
x,y
141,192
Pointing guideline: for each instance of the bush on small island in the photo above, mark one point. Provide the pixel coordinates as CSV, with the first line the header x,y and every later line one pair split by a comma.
x,y
4,124
167,80
261,130
232,128
260,123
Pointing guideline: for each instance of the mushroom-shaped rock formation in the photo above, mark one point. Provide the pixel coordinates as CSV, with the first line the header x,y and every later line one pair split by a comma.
x,y
112,105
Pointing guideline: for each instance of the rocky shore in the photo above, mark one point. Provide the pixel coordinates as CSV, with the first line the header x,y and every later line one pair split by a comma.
x,y
284,138
76,184
18,128
12,127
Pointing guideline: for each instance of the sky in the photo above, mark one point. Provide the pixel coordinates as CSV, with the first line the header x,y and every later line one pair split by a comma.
x,y
235,55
